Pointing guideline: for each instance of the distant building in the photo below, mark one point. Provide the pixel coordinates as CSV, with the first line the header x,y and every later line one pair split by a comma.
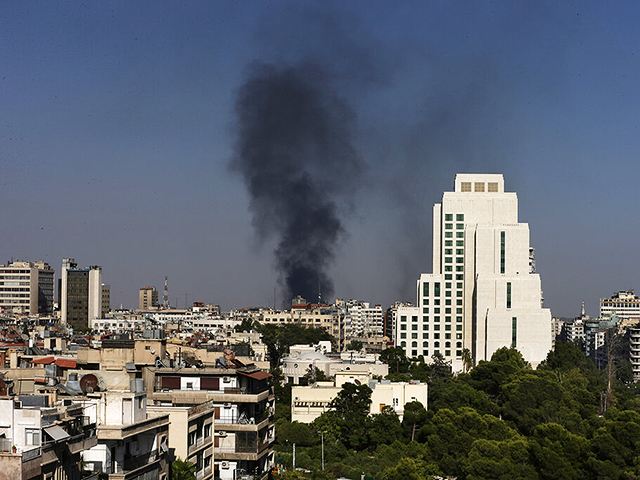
x,y
26,288
308,403
148,298
624,304
483,293
81,294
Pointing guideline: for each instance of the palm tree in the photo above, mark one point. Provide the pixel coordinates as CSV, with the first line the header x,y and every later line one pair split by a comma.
x,y
467,359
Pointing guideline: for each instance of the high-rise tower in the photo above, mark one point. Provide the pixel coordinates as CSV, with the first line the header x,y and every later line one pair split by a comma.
x,y
483,293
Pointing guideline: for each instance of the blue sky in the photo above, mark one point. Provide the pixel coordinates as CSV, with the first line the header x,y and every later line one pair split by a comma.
x,y
117,129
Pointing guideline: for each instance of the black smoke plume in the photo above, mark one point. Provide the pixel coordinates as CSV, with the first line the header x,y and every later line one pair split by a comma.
x,y
295,152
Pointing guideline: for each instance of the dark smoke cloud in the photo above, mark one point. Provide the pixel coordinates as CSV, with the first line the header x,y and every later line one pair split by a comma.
x,y
295,152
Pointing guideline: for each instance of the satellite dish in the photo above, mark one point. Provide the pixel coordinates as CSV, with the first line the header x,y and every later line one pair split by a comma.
x,y
153,351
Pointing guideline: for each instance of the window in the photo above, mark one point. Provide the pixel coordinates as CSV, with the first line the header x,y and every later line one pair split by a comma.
x,y
425,344
448,268
492,187
502,251
425,289
460,217
436,344
425,336
459,327
447,285
414,335
448,276
459,234
436,301
425,310
448,226
448,217
207,430
465,186
436,289
459,243
448,243
448,234
508,294
447,327
414,344
436,327
32,436
447,310
436,310
459,226
436,319
459,251
403,335
448,259
403,326
414,327
447,353
403,318
479,187
448,251
414,318
459,268
436,336
514,331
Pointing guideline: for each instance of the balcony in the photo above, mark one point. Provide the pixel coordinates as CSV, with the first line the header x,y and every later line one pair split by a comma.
x,y
120,432
228,395
200,443
243,422
83,441
243,450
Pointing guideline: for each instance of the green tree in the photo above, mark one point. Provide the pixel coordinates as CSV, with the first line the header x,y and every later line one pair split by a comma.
x,y
183,470
415,416
395,358
245,326
355,345
410,469
385,427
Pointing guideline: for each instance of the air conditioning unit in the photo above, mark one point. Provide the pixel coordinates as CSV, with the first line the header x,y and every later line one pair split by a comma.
x,y
17,404
226,379
222,433
227,405
224,465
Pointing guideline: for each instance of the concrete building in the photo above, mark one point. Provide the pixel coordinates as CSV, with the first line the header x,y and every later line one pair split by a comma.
x,y
26,288
42,440
191,432
106,300
81,294
483,293
624,304
243,404
148,298
309,402
361,320
131,443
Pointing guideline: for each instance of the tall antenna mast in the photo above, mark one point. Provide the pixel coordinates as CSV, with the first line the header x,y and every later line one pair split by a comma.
x,y
165,296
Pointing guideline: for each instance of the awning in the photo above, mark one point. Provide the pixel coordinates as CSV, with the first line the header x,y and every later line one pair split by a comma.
x,y
259,375
66,362
44,361
57,433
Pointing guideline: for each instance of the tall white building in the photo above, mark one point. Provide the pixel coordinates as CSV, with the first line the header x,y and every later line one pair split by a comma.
x,y
483,293
625,305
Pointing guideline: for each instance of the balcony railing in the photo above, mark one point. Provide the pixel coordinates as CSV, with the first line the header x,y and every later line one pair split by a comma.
x,y
138,461
31,454
243,418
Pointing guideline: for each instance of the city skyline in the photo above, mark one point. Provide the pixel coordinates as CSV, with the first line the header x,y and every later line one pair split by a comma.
x,y
117,130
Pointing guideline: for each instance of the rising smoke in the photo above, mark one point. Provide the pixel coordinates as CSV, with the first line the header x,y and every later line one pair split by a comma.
x,y
295,152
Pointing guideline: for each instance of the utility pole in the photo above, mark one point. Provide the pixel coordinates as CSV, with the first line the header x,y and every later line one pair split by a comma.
x,y
322,437
294,457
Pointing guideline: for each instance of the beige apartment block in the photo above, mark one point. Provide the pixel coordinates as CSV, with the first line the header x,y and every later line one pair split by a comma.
x,y
148,298
191,431
308,403
26,288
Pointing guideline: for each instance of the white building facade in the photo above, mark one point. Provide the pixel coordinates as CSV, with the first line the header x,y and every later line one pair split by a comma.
x,y
484,293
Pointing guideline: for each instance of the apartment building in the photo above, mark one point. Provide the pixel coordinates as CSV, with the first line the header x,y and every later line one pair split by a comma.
x,y
44,440
624,305
81,294
26,288
148,298
243,404
309,402
132,445
191,432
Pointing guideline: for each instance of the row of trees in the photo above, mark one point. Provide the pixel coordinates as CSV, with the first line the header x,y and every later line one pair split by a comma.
x,y
500,420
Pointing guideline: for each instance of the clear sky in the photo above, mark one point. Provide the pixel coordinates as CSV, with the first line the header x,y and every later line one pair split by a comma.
x,y
118,126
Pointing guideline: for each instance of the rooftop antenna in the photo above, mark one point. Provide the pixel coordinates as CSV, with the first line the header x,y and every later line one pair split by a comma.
x,y
165,296
319,294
